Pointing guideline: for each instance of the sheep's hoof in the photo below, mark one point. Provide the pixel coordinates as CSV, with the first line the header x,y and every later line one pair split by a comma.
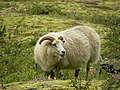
x,y
49,78
88,83
74,82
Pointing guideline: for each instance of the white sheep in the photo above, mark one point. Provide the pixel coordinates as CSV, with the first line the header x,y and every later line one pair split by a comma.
x,y
69,49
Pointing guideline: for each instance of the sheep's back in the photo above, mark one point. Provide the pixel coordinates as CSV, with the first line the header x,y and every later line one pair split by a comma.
x,y
94,41
81,45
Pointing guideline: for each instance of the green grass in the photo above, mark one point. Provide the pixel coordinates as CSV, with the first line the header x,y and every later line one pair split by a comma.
x,y
26,21
51,85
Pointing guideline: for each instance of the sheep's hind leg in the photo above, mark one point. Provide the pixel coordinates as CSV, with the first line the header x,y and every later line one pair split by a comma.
x,y
87,71
76,73
76,77
88,82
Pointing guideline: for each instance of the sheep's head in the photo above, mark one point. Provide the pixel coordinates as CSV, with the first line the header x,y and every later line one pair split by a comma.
x,y
54,46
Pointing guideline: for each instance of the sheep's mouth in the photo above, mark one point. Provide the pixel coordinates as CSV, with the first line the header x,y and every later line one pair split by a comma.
x,y
62,55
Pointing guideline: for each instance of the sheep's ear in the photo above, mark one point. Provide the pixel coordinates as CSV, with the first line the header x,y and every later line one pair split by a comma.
x,y
61,38
46,38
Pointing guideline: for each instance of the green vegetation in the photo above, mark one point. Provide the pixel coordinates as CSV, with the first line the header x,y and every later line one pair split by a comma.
x,y
50,85
23,22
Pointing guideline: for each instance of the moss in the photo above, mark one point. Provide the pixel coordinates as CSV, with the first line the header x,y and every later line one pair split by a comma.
x,y
51,85
23,30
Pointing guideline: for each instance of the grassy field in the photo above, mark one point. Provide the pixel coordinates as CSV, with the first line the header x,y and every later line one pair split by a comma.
x,y
23,22
52,85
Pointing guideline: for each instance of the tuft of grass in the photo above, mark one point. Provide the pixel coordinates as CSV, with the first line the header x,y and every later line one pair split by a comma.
x,y
52,85
43,8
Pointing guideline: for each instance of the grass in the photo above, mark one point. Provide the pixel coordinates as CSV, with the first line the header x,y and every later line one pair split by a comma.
x,y
51,85
26,21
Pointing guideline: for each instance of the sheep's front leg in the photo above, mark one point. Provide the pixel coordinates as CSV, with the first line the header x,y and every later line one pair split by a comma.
x,y
57,71
52,75
57,74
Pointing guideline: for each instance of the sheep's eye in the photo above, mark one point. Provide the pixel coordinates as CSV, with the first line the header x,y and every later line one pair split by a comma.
x,y
54,45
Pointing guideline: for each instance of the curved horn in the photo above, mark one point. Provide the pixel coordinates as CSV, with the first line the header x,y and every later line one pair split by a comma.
x,y
46,38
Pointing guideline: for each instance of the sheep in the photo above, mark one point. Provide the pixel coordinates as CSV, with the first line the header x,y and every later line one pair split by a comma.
x,y
69,49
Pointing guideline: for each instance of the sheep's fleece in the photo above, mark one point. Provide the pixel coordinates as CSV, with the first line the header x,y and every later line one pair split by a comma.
x,y
82,46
